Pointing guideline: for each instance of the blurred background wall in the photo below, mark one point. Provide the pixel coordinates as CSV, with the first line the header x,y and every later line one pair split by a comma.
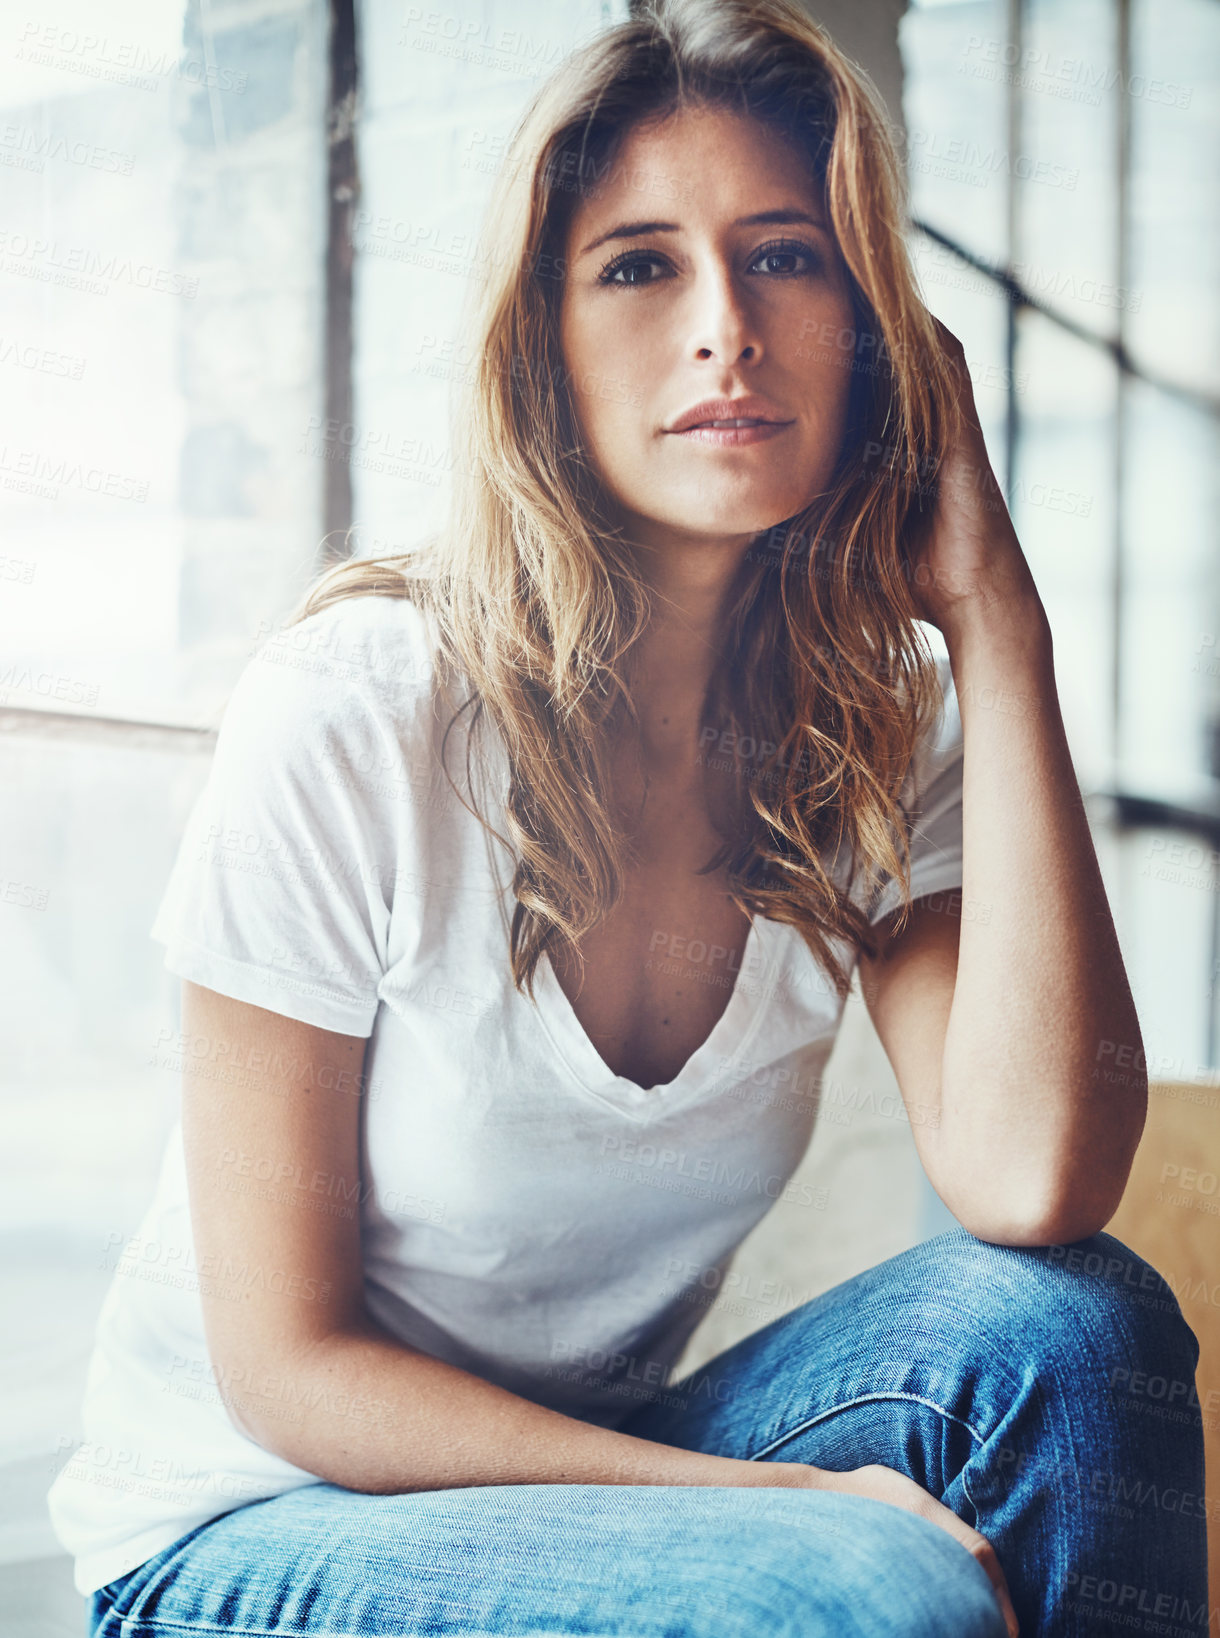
x,y
235,241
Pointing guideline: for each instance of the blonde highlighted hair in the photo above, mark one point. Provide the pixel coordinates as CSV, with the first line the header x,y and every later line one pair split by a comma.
x,y
535,597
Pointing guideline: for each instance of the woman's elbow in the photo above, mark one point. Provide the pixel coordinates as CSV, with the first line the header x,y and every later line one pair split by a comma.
x,y
1061,1219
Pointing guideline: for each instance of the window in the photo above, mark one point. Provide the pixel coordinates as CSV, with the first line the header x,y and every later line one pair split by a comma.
x,y
1061,158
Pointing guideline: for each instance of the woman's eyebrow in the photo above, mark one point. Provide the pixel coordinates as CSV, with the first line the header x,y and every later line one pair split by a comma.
x,y
634,230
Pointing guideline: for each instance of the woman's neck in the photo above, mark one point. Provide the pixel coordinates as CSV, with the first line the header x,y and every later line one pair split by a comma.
x,y
670,667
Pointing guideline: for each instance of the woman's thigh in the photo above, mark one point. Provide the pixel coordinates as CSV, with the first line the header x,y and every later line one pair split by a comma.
x,y
647,1560
1000,1379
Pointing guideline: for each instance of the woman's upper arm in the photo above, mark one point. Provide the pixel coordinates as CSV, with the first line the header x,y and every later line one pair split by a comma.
x,y
908,987
272,1154
908,990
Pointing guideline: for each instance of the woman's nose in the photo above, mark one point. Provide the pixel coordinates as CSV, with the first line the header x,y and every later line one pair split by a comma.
x,y
723,326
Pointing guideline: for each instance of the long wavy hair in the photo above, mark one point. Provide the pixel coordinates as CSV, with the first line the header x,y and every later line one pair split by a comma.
x,y
535,598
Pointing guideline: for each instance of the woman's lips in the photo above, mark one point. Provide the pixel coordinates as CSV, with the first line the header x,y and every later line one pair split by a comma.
x,y
722,437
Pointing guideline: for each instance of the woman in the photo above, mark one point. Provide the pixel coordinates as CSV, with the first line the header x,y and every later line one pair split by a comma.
x,y
467,1124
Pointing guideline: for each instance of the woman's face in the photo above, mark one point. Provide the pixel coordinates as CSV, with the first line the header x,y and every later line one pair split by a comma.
x,y
677,292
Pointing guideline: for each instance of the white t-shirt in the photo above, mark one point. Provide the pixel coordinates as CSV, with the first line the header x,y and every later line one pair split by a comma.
x,y
525,1214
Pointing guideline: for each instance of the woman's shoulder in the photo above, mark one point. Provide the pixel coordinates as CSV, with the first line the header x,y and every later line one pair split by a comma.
x,y
380,641
353,680
373,653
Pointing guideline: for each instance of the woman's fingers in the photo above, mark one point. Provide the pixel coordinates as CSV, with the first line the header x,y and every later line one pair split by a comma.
x,y
889,1485
977,1546
985,1554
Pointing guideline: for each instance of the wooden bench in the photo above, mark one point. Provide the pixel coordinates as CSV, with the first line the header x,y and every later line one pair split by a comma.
x,y
1170,1215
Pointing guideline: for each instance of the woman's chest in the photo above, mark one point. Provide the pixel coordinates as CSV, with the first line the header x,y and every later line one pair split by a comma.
x,y
655,976
669,990
487,1141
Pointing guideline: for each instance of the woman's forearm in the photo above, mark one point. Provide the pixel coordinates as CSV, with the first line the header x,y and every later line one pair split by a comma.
x,y
1041,1009
363,1411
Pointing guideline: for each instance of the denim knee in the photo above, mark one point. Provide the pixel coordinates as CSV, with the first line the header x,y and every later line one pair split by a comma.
x,y
1095,1300
1149,1334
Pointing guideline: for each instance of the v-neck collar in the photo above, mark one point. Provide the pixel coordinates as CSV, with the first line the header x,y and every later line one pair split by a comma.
x,y
756,981
730,1035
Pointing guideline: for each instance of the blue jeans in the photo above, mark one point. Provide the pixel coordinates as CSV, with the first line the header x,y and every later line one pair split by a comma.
x,y
1018,1385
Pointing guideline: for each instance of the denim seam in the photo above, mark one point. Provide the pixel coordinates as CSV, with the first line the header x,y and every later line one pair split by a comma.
x,y
140,1624
157,1624
863,1399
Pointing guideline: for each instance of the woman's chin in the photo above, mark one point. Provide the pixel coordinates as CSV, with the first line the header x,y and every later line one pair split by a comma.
x,y
706,517
729,513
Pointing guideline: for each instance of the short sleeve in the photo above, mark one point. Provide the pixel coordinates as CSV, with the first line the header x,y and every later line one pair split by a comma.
x,y
935,802
282,890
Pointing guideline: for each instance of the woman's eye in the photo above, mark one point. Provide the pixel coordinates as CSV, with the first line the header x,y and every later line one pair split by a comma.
x,y
787,252
628,265
785,258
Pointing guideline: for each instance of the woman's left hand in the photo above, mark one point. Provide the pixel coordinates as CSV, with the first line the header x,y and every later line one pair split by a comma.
x,y
968,559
